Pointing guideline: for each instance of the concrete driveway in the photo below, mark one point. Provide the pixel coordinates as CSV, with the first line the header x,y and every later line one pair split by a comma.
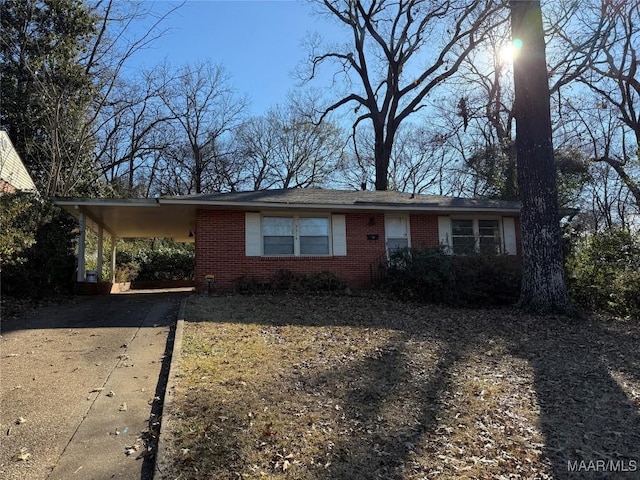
x,y
79,387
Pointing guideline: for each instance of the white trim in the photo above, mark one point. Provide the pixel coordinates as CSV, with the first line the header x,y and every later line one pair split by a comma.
x,y
252,234
444,234
100,250
82,225
509,235
112,263
339,235
407,233
372,207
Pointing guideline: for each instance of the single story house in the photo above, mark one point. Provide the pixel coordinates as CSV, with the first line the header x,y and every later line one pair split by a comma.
x,y
14,176
308,230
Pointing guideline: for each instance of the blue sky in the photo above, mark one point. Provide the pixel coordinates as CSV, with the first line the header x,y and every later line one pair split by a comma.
x,y
259,42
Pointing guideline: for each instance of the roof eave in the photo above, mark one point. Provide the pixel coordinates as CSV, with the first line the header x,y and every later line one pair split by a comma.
x,y
253,205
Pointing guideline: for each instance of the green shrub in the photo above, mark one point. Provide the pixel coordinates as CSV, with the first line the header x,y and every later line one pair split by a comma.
x,y
168,263
250,284
603,272
158,260
322,282
19,221
287,281
487,280
38,258
424,274
431,275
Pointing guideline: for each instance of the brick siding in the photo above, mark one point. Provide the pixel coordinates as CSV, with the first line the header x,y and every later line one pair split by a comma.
x,y
220,249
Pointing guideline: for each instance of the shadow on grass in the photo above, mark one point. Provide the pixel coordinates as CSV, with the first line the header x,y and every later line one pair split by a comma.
x,y
591,426
385,393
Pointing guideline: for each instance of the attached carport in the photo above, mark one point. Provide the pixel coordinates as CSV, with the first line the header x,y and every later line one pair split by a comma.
x,y
127,218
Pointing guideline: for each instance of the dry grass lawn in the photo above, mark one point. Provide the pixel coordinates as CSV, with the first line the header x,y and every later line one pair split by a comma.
x,y
367,387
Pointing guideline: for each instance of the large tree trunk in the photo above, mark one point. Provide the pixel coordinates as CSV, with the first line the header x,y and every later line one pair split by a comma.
x,y
382,156
543,283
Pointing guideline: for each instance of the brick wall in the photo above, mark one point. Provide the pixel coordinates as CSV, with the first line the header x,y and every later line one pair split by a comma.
x,y
423,230
6,187
220,249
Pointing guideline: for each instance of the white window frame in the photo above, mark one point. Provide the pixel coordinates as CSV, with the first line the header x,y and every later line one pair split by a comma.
x,y
386,236
476,232
296,234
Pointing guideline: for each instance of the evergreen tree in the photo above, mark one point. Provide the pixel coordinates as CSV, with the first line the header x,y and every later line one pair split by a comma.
x,y
47,90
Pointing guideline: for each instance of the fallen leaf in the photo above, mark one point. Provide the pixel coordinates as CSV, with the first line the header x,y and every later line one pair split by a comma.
x,y
23,456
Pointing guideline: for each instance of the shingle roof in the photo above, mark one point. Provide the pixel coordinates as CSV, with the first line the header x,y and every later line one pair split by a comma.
x,y
344,198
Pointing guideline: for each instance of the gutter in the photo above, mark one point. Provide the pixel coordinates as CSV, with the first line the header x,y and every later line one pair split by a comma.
x,y
338,207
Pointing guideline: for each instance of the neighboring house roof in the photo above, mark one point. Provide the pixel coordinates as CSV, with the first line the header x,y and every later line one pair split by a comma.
x,y
13,173
175,216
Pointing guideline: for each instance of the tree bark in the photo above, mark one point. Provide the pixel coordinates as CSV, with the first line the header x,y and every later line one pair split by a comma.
x,y
543,283
382,156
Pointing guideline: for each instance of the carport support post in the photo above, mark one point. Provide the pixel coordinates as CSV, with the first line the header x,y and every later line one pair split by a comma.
x,y
82,223
112,264
100,247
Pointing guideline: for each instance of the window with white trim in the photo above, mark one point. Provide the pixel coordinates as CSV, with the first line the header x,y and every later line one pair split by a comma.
x,y
397,233
295,235
475,235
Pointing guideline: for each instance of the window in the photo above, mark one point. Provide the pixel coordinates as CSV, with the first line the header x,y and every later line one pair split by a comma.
x,y
464,240
489,236
475,235
397,233
295,235
277,235
314,236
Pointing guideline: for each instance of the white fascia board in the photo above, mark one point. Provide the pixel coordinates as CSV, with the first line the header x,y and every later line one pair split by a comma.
x,y
337,207
138,202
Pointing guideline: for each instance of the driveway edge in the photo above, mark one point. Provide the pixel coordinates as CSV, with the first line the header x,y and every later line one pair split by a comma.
x,y
161,464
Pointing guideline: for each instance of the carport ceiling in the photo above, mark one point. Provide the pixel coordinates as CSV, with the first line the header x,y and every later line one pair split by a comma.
x,y
139,218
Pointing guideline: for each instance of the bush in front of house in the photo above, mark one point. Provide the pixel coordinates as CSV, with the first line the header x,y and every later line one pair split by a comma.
x,y
169,262
430,275
323,282
285,280
158,259
603,272
36,247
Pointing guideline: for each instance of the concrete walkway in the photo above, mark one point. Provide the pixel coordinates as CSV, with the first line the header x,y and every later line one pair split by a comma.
x,y
78,387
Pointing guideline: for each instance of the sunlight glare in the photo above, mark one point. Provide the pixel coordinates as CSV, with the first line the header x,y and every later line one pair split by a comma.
x,y
510,52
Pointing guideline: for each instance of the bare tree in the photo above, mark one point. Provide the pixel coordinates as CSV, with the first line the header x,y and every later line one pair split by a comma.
x,y
256,142
206,108
287,148
613,75
400,51
421,161
132,134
